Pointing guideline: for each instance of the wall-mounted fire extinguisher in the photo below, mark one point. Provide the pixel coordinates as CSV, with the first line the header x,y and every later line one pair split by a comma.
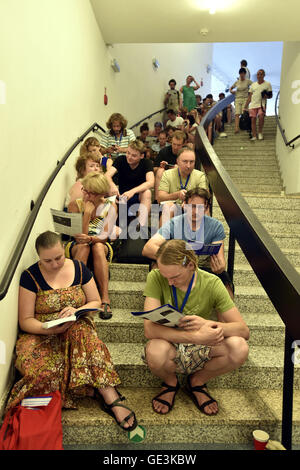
x,y
105,97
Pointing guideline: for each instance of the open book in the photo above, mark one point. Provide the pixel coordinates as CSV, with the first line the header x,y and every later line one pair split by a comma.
x,y
76,316
165,315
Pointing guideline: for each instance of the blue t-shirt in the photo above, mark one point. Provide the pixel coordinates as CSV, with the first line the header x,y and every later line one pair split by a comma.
x,y
210,231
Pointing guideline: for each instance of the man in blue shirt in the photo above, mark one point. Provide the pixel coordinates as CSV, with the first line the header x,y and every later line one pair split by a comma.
x,y
194,226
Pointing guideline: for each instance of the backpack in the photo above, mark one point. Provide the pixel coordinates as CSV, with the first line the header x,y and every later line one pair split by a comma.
x,y
33,428
245,121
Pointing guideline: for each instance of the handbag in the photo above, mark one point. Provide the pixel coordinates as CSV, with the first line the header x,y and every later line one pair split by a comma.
x,y
33,428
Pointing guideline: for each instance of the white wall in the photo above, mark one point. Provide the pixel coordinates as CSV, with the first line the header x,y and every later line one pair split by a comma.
x,y
54,67
143,86
289,111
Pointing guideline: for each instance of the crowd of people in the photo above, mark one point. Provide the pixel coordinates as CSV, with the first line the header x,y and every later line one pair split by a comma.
x,y
121,170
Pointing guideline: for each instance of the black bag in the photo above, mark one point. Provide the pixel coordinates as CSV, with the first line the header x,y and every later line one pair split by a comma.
x,y
130,251
245,121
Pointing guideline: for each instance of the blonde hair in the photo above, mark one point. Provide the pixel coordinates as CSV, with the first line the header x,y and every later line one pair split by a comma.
x,y
90,141
80,164
138,145
96,183
177,252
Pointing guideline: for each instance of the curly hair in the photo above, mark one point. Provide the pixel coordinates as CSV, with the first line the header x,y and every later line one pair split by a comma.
x,y
117,117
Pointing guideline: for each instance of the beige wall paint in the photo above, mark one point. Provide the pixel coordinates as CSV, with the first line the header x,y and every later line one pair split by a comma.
x,y
54,67
289,111
142,87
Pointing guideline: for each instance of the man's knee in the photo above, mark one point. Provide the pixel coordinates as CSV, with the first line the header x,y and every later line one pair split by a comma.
x,y
238,350
158,352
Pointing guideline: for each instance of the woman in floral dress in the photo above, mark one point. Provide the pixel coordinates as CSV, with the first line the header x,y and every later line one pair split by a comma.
x,y
70,357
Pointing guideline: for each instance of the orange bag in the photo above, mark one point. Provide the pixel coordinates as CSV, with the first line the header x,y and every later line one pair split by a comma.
x,y
38,428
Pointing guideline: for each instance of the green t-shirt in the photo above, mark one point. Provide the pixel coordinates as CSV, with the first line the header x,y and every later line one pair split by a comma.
x,y
209,293
170,181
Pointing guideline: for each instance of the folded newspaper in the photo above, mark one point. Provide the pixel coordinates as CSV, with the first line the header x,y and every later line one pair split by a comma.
x,y
69,223
76,316
165,315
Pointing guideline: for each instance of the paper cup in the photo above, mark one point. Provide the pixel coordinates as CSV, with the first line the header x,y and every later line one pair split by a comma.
x,y
260,439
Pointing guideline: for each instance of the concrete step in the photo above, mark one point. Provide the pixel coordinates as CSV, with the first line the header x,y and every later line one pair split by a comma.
x,y
292,255
255,181
266,215
134,272
125,328
240,412
270,202
263,368
278,229
245,276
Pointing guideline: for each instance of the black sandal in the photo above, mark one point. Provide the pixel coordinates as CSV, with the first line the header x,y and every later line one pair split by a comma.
x,y
105,315
169,388
108,409
200,388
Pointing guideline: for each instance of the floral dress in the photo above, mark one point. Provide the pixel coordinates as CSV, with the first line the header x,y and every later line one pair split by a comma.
x,y
73,362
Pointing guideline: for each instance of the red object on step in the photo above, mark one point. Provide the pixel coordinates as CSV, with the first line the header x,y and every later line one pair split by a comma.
x,y
105,97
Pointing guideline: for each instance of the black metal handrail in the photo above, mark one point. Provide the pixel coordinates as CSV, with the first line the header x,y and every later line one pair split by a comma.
x,y
22,238
278,277
147,117
282,131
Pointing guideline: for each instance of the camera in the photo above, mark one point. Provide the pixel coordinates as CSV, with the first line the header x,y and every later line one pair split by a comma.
x,y
266,94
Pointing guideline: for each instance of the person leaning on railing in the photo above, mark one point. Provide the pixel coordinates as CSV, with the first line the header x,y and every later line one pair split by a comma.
x,y
70,357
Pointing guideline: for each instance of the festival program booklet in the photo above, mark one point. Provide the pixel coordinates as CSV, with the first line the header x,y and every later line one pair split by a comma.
x,y
165,315
76,316
206,250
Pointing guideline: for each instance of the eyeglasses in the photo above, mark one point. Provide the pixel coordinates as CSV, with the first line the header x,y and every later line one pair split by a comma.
x,y
89,193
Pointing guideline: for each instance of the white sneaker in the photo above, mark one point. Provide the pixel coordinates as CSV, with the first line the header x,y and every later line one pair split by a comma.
x,y
253,138
260,136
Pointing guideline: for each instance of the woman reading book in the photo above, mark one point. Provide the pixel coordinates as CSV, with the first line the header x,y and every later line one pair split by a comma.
x,y
98,216
70,357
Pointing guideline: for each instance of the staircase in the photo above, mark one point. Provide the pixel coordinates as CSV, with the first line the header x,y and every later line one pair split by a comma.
x,y
250,397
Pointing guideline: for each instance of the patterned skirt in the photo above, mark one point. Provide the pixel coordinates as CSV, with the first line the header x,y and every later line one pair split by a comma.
x,y
74,362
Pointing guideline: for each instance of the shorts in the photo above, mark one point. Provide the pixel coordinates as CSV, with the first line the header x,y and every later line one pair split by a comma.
x,y
189,357
256,112
239,105
69,245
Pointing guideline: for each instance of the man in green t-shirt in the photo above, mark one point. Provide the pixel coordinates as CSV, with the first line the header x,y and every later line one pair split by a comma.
x,y
200,347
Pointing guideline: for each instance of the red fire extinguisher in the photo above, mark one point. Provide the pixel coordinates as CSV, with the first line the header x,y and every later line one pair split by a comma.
x,y
105,97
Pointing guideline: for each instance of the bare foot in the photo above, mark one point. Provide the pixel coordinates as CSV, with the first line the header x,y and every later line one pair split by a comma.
x,y
168,397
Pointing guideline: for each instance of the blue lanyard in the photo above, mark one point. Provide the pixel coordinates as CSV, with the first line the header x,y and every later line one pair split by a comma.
x,y
120,138
187,180
186,295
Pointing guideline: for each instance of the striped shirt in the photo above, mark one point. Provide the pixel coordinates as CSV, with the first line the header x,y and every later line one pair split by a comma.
x,y
107,140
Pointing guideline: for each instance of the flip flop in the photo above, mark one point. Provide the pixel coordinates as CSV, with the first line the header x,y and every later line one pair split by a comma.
x,y
105,314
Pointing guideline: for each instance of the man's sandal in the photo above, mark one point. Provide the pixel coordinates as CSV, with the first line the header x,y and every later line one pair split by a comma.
x,y
169,388
201,389
105,314
108,409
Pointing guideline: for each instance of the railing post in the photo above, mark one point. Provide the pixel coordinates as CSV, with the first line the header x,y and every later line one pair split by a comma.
x,y
288,390
231,253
